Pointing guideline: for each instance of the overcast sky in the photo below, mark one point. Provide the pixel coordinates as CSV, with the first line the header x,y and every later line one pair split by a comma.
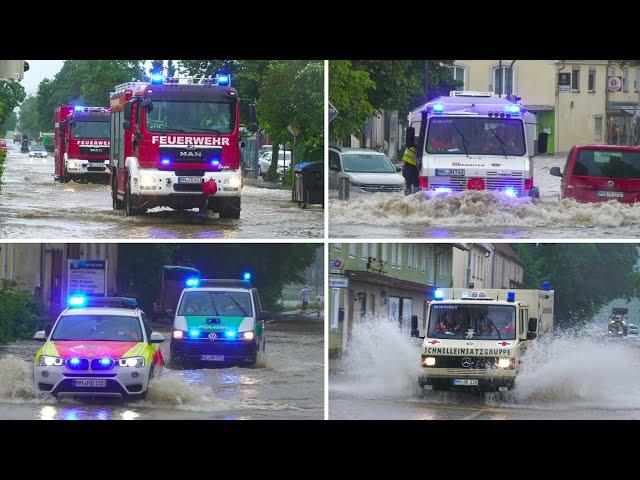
x,y
38,71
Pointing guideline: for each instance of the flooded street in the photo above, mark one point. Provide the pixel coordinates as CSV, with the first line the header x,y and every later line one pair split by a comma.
x,y
32,205
288,383
474,214
569,376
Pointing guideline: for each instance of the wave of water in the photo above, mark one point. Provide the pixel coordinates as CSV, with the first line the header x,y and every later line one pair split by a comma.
x,y
478,208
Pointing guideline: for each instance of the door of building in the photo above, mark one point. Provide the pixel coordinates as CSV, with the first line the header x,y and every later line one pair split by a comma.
x,y
406,312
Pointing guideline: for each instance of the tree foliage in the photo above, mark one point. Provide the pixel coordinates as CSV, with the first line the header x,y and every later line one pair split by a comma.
x,y
21,312
11,95
585,276
273,265
29,122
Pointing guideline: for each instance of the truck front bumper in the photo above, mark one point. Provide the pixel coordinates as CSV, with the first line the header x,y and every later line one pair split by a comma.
x,y
119,382
87,167
228,351
160,183
483,381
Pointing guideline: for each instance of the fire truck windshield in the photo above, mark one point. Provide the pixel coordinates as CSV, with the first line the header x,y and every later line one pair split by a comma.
x,y
89,129
472,321
477,136
191,117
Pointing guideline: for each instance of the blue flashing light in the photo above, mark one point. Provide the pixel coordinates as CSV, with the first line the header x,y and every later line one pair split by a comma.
x,y
215,163
246,276
105,362
512,109
75,361
438,107
224,80
166,161
511,296
510,192
230,334
443,190
77,301
157,78
438,294
193,282
78,108
194,333
545,286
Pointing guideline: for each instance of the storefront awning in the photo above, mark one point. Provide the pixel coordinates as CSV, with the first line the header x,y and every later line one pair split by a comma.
x,y
383,280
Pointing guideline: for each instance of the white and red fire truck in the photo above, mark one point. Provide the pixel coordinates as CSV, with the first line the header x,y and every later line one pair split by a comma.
x,y
81,143
176,144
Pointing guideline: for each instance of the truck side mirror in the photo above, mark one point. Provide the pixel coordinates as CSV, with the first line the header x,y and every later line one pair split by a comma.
x,y
543,139
414,326
128,111
253,119
147,104
556,172
410,137
532,328
40,336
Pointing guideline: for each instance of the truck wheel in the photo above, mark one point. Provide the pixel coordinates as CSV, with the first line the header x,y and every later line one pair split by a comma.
x,y
230,208
129,209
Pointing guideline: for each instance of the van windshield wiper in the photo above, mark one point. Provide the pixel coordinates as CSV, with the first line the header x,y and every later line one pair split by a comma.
x,y
502,145
464,140
244,312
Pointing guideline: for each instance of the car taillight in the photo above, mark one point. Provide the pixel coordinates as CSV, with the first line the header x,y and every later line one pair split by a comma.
x,y
424,182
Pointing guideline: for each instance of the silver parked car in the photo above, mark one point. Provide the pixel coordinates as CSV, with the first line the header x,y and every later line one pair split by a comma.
x,y
366,169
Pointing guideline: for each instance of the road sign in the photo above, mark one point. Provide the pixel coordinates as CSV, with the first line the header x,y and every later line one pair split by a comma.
x,y
333,113
564,82
88,277
614,83
335,265
339,282
293,130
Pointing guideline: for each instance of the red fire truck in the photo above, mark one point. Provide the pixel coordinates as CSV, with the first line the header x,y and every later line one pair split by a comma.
x,y
176,144
81,143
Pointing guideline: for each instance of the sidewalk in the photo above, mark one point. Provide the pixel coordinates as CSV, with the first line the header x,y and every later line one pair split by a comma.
x,y
260,183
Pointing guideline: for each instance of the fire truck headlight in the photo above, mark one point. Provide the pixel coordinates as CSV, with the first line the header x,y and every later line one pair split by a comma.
x,y
505,362
235,182
428,361
146,180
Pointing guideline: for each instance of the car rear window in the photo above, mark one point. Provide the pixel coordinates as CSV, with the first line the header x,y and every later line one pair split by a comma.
x,y
608,163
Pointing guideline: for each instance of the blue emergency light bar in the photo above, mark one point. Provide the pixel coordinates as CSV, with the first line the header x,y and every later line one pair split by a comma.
x,y
438,107
157,78
223,79
438,294
545,286
511,296
77,301
246,276
78,108
512,109
192,282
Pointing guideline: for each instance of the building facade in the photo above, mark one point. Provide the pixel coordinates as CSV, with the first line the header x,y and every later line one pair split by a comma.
x,y
42,267
575,101
390,280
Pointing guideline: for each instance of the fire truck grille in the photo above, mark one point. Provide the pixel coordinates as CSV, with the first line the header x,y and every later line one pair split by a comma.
x,y
493,183
467,363
94,150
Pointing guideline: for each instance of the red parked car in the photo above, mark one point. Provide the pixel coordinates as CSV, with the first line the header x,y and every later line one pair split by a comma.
x,y
598,173
3,146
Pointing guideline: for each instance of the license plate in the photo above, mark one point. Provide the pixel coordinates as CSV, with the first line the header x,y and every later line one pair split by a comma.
x,y
89,383
189,179
96,165
601,193
212,358
449,172
465,381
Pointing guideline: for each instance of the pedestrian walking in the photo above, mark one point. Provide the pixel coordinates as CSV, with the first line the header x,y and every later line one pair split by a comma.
x,y
320,302
305,295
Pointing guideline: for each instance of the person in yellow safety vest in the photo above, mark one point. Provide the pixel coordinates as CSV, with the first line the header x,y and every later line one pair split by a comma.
x,y
410,170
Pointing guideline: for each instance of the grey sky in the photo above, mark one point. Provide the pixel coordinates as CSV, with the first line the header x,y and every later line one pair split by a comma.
x,y
38,71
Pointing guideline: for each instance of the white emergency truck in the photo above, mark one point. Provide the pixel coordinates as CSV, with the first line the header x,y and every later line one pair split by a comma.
x,y
474,339
475,141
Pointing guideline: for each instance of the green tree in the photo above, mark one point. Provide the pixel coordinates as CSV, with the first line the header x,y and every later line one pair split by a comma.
x,y
349,93
29,121
9,123
21,313
11,95
585,276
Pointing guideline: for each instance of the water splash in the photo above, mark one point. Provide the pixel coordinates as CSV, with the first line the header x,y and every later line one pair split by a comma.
x,y
16,380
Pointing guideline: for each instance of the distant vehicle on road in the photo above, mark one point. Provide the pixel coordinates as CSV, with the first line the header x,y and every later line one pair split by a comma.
x,y
366,169
618,326
38,151
24,146
632,329
284,161
17,138
598,173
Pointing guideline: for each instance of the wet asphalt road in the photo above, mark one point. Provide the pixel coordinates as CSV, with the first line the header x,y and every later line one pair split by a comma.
x,y
287,383
33,205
